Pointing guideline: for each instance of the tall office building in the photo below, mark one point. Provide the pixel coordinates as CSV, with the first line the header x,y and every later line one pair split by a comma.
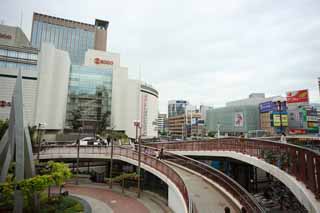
x,y
17,54
177,107
71,36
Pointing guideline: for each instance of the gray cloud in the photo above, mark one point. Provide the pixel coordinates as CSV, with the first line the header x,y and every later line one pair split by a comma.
x,y
204,51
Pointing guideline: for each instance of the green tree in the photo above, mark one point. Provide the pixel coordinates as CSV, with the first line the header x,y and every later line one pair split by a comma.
x,y
3,127
76,116
211,134
60,172
105,122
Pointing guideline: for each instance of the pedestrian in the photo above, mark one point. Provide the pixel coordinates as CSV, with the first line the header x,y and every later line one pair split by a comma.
x,y
161,154
283,138
227,210
108,140
242,143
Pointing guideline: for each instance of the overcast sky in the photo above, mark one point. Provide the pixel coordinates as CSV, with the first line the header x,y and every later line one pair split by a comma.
x,y
207,52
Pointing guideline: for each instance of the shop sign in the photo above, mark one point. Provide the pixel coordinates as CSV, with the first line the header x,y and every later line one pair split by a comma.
x,y
299,96
266,106
277,120
5,36
272,106
102,61
5,103
312,118
297,131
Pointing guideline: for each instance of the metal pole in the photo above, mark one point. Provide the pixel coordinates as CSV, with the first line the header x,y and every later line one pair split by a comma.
x,y
78,156
111,158
38,138
280,109
139,166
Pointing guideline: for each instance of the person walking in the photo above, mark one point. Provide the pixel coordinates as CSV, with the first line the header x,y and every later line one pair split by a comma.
x,y
161,154
242,143
283,138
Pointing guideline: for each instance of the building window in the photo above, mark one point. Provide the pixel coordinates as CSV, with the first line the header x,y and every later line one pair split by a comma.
x,y
3,52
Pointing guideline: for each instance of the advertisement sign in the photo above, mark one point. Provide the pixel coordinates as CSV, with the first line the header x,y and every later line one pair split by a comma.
x,y
266,106
297,131
5,103
277,120
299,96
102,61
238,119
272,106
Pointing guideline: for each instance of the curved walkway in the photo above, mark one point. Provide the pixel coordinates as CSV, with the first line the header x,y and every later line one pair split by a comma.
x,y
114,202
96,206
207,198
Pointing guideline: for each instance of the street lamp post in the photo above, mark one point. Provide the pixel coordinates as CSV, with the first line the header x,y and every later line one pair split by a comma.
x,y
137,125
280,112
78,156
218,130
111,162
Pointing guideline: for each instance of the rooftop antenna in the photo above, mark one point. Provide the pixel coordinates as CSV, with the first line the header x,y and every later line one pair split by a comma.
x,y
21,17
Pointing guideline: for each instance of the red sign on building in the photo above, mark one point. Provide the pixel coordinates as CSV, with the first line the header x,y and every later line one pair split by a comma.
x,y
5,103
297,131
102,61
299,96
5,36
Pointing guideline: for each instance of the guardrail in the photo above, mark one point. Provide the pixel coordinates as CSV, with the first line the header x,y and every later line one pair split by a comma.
x,y
248,202
125,152
300,162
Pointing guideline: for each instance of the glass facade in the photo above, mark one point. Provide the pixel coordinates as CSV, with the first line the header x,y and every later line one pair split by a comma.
x,y
177,108
17,59
74,40
90,92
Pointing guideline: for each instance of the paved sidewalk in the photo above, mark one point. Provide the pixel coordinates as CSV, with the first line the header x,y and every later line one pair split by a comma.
x,y
118,203
153,202
97,206
207,198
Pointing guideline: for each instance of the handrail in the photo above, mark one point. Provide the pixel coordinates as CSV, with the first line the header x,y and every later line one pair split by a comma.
x,y
248,202
300,162
125,152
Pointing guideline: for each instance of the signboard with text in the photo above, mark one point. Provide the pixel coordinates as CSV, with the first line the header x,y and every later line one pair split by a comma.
x,y
299,96
271,106
103,61
278,121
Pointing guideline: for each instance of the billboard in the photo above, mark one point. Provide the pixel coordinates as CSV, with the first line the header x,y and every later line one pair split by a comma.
x,y
271,106
238,119
299,96
277,121
266,106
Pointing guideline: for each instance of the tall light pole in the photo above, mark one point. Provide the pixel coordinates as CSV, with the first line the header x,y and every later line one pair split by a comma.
x,y
218,130
138,138
111,162
78,156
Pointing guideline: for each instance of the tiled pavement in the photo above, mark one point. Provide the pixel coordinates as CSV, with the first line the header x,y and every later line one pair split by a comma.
x,y
118,203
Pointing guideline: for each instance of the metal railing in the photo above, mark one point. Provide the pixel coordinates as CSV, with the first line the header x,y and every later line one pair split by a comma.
x,y
300,162
248,202
129,153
